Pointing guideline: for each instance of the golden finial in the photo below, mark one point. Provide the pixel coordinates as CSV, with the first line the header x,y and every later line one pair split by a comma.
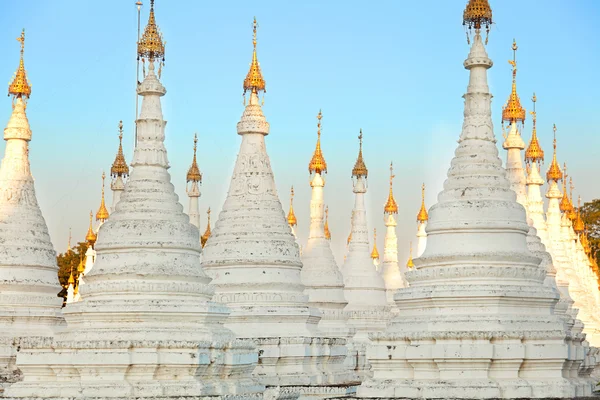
x,y
585,243
80,267
476,15
422,216
71,278
410,264
375,253
120,167
254,81
91,236
534,152
151,44
326,228
291,217
193,174
391,207
578,224
102,214
565,203
360,169
207,232
20,86
317,163
554,173
571,212
512,110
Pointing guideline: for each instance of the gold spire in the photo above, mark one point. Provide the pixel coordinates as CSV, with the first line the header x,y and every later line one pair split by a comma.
x,y
120,167
291,217
554,173
512,110
151,44
254,81
391,207
375,253
422,216
585,243
71,279
207,232
476,15
409,263
80,267
326,228
317,162
565,203
193,174
91,236
578,224
102,214
534,152
20,86
571,212
360,169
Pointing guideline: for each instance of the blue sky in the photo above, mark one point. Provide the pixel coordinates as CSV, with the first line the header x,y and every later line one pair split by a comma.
x,y
392,68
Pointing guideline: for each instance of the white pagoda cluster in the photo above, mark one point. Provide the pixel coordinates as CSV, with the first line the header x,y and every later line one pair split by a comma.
x,y
501,302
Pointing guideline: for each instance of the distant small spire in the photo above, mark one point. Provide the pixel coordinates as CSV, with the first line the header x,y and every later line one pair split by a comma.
x,y
391,207
317,163
554,173
291,217
360,169
512,110
207,232
119,166
254,81
375,253
578,224
102,214
194,174
20,86
534,152
90,237
410,264
422,216
326,228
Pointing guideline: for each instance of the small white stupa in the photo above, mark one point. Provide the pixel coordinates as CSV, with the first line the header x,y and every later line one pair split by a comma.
x,y
477,320
254,260
363,285
422,218
146,326
390,269
193,182
119,171
29,306
320,274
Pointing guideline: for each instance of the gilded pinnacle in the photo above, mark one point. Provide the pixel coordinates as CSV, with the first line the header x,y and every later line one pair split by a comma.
x,y
375,253
512,110
102,214
578,224
207,232
194,174
410,264
254,81
534,152
120,167
90,237
317,163
20,86
422,216
391,207
151,45
565,203
554,173
360,169
291,217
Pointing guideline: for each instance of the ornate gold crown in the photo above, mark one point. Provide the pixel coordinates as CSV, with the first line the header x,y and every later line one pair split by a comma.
x,y
477,14
391,207
151,44
512,110
120,167
534,151
193,174
554,173
254,81
360,169
20,86
317,162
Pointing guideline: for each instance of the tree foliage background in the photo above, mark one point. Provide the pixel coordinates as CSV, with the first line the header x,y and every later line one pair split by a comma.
x,y
67,262
590,212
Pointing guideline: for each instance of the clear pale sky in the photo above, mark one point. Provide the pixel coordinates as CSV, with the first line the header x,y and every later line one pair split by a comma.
x,y
393,68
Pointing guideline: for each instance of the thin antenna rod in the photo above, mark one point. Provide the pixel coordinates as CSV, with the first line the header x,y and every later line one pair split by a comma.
x,y
137,76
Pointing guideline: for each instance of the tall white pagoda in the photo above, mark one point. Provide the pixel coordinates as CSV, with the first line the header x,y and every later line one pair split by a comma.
x,y
254,260
29,306
119,171
146,326
193,182
477,320
390,269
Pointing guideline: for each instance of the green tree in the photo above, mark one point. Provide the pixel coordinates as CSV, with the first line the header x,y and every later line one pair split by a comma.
x,y
590,212
67,262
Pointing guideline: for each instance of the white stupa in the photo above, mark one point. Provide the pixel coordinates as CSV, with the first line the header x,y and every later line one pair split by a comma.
x,y
254,260
146,326
363,285
193,182
119,171
29,305
477,320
422,218
390,269
320,274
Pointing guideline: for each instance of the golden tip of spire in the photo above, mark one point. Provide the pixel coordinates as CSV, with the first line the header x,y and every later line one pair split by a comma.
x,y
207,232
291,217
375,252
317,163
410,264
151,45
422,216
254,81
554,173
194,174
513,111
534,152
477,14
102,214
360,169
119,166
20,86
391,207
